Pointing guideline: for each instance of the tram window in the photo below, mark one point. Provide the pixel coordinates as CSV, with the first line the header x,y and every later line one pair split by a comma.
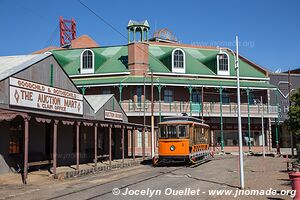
x,y
168,132
172,133
163,132
182,131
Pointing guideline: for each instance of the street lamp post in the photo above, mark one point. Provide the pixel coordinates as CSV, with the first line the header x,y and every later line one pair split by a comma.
x,y
237,68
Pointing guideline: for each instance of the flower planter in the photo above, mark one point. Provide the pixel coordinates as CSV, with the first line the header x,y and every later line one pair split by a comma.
x,y
295,178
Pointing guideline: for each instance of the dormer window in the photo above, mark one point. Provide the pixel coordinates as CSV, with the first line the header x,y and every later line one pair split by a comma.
x,y
223,63
178,61
87,61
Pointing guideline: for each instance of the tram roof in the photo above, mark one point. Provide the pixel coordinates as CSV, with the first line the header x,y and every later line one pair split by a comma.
x,y
183,119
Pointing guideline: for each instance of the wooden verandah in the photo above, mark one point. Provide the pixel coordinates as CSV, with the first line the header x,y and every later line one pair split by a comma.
x,y
132,128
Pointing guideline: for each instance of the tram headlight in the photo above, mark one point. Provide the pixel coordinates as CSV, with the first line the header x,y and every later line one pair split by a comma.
x,y
172,147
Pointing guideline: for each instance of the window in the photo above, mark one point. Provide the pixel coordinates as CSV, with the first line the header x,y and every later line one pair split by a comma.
x,y
252,99
106,91
168,132
146,139
168,96
225,97
139,94
223,64
178,61
196,97
87,61
182,131
139,139
15,138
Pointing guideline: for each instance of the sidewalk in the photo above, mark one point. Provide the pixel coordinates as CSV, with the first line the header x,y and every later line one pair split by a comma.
x,y
66,172
263,174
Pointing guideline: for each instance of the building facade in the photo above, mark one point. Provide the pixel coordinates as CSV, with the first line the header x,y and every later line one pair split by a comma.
x,y
282,98
197,80
45,120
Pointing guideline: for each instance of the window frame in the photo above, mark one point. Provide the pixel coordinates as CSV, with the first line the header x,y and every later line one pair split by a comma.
x,y
87,70
225,97
196,95
223,72
171,95
16,131
177,69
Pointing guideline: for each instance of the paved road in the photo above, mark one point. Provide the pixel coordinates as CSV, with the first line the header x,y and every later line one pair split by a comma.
x,y
158,182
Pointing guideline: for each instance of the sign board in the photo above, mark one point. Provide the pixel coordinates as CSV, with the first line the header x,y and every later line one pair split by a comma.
x,y
282,82
113,115
34,95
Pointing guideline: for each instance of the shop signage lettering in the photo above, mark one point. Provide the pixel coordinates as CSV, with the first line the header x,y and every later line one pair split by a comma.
x,y
34,95
113,115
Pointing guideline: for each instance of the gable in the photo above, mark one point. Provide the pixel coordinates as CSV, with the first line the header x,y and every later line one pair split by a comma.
x,y
44,72
103,103
107,59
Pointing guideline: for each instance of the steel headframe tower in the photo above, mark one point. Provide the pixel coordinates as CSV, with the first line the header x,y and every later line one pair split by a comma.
x,y
67,31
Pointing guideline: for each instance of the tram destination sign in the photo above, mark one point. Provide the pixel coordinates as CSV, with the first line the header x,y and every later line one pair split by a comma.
x,y
34,95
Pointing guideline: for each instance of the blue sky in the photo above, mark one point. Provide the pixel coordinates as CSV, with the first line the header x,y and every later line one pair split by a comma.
x,y
269,31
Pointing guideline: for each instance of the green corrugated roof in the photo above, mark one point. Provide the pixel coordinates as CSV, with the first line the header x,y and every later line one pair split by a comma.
x,y
107,59
169,80
203,61
114,59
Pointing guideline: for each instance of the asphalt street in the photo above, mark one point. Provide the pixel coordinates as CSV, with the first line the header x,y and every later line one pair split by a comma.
x,y
144,182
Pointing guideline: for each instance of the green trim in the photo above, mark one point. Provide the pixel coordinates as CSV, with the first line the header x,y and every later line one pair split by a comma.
x,y
120,92
190,91
83,90
174,81
249,130
159,87
128,36
221,119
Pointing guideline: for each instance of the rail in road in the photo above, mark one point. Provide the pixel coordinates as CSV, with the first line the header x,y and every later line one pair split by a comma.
x,y
157,174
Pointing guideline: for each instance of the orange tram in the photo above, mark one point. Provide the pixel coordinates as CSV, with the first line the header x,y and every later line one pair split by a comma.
x,y
182,139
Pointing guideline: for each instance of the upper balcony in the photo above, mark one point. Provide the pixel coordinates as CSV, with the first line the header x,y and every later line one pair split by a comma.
x,y
210,109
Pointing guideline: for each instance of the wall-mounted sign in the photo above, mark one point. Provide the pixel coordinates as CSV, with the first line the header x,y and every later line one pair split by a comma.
x,y
34,95
113,115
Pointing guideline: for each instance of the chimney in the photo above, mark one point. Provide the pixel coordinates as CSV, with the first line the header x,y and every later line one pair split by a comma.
x,y
138,58
138,48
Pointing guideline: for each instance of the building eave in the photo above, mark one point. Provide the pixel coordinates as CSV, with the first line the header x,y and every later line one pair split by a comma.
x,y
209,76
168,84
98,75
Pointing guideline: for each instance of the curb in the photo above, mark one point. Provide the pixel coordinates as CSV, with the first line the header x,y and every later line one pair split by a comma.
x,y
94,170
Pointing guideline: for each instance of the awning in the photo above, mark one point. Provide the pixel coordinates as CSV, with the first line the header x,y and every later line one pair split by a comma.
x,y
195,82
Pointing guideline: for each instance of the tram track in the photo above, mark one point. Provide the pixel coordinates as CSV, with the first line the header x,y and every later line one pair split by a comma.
x,y
97,185
158,174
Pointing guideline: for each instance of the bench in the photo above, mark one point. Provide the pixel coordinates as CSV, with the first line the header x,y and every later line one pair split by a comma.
x,y
40,163
38,159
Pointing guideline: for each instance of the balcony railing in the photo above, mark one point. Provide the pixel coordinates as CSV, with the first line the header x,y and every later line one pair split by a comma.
x,y
209,109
